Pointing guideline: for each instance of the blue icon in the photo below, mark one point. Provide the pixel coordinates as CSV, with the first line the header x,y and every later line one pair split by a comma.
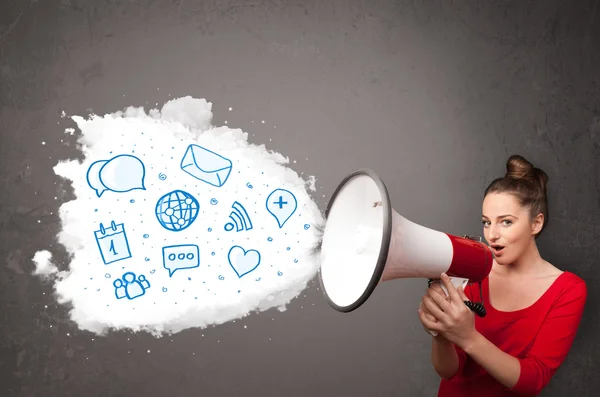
x,y
112,243
177,257
130,287
240,219
120,174
177,210
281,204
243,262
206,166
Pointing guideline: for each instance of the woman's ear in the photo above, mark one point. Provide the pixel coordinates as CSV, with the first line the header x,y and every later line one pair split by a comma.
x,y
537,224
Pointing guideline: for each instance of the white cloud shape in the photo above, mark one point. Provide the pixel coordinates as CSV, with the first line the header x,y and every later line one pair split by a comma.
x,y
184,248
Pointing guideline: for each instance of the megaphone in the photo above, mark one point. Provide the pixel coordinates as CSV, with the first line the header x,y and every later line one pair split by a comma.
x,y
366,242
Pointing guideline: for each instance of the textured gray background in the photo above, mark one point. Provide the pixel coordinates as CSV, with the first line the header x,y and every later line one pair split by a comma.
x,y
432,95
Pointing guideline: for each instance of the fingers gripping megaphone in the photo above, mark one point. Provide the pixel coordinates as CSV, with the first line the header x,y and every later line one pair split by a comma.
x,y
366,242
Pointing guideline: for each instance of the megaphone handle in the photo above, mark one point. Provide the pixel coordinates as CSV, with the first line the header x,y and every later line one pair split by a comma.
x,y
476,307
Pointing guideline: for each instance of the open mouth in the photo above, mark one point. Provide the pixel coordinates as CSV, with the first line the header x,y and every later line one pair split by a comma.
x,y
497,248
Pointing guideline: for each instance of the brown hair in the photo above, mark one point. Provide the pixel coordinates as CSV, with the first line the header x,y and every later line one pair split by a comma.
x,y
526,183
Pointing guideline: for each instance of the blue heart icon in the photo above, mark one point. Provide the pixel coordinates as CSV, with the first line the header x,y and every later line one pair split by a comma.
x,y
243,262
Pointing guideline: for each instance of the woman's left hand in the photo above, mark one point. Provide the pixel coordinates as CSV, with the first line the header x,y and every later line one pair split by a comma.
x,y
455,321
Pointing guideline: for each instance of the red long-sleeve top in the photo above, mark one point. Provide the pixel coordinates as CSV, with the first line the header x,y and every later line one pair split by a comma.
x,y
539,336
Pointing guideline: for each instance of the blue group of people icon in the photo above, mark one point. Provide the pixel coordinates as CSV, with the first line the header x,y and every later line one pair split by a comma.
x,y
130,286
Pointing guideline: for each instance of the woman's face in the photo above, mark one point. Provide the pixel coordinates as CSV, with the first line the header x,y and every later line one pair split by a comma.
x,y
506,226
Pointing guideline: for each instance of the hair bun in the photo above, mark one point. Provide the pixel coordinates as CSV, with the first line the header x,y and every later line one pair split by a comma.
x,y
517,167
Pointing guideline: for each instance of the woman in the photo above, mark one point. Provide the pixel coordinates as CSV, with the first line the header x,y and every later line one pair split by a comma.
x,y
533,308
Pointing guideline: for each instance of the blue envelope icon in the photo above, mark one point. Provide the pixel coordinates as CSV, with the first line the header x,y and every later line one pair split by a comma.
x,y
206,166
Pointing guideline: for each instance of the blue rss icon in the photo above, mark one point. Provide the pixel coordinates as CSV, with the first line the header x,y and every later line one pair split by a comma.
x,y
112,243
206,165
281,204
177,257
120,174
243,261
131,286
177,210
240,219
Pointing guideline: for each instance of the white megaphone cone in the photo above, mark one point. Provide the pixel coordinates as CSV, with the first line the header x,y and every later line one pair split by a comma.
x,y
366,242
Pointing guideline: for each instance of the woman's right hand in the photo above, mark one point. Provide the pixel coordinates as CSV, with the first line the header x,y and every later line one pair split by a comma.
x,y
437,287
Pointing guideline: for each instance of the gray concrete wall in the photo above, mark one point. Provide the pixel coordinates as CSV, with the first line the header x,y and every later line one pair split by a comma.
x,y
434,96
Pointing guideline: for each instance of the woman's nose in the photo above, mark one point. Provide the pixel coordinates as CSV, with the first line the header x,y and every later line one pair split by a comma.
x,y
494,232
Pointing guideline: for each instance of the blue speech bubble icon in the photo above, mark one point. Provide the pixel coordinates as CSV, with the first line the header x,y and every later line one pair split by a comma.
x,y
177,257
281,204
120,174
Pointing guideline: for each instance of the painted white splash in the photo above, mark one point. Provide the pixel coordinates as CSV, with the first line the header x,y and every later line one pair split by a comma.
x,y
112,227
43,264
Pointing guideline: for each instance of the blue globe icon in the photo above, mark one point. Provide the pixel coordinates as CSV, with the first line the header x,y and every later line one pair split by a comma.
x,y
177,210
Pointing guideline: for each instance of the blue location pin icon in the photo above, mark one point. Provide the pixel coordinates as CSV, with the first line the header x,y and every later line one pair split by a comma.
x,y
281,204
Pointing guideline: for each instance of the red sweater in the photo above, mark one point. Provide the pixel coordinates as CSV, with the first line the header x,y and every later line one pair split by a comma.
x,y
540,336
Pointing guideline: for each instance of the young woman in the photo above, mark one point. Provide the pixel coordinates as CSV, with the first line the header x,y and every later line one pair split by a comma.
x,y
533,308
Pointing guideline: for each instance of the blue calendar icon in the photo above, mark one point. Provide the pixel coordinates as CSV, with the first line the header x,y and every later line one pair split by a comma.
x,y
113,243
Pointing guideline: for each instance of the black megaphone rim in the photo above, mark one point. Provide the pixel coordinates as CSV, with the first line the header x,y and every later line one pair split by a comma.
x,y
385,240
